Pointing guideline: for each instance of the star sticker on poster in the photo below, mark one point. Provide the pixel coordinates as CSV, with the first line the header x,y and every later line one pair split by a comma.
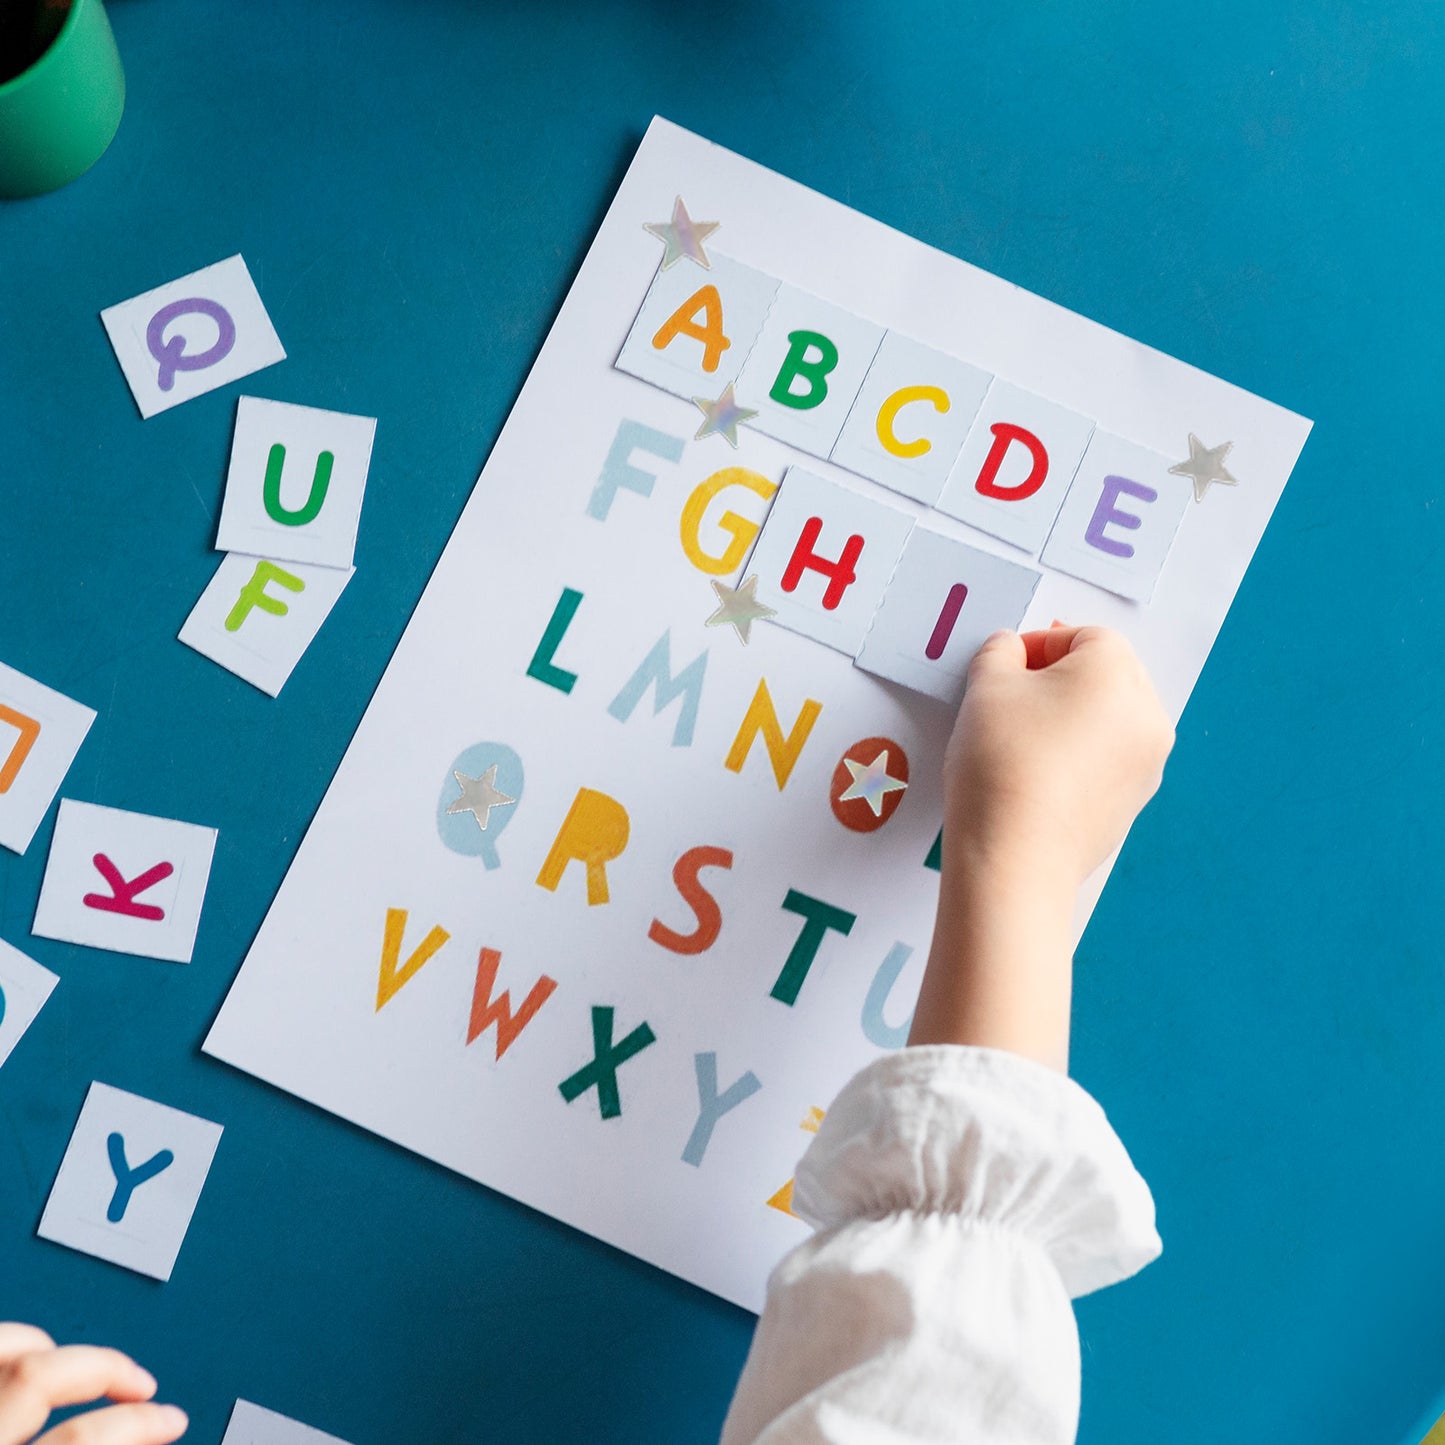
x,y
682,236
479,796
721,417
1205,465
871,783
740,607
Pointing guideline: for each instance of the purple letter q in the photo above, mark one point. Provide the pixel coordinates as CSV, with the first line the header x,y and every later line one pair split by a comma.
x,y
1106,512
172,354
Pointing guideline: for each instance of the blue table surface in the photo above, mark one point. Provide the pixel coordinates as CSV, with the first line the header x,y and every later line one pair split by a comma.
x,y
1254,188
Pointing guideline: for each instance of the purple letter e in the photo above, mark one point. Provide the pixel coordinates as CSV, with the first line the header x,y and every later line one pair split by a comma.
x,y
1106,512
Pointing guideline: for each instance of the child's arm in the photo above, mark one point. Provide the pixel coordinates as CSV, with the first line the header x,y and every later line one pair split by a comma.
x,y
36,1378
1059,743
963,1195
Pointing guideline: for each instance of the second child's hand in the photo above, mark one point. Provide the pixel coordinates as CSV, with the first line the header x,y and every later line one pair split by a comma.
x,y
37,1377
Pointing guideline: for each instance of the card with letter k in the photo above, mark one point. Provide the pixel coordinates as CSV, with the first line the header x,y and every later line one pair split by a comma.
x,y
125,882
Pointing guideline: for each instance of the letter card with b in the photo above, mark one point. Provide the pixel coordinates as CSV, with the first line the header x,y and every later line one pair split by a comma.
x,y
632,860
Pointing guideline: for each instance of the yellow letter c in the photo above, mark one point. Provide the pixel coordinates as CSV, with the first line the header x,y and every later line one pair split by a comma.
x,y
888,412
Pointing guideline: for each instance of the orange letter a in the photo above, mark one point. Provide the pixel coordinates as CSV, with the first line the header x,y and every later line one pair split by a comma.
x,y
710,333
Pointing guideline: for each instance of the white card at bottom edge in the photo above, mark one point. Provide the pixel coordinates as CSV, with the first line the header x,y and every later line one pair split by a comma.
x,y
254,1425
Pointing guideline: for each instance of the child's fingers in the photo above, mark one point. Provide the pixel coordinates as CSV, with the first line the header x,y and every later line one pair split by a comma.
x,y
120,1425
1097,645
1000,652
1010,651
77,1373
32,1385
1048,646
17,1340
1101,648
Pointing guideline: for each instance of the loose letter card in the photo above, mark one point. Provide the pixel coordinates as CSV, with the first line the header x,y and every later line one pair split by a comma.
x,y
257,616
944,599
295,483
24,988
192,335
129,1182
125,881
633,859
252,1425
40,733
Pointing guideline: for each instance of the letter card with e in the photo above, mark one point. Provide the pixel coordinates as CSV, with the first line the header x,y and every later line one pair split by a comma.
x,y
634,857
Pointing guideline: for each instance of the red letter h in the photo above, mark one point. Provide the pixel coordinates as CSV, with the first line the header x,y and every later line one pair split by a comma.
x,y
840,574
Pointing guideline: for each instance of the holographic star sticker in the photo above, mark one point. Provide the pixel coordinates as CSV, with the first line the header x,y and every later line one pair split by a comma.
x,y
871,783
1205,465
479,796
740,607
682,236
721,417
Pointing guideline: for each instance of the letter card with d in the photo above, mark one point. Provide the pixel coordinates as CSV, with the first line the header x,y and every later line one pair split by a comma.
x,y
633,858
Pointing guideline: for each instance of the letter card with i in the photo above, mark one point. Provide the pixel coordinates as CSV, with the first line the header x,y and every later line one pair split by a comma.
x,y
633,859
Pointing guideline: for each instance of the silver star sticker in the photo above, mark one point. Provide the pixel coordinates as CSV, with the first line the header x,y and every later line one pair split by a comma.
x,y
721,417
479,796
740,607
871,783
1205,465
682,236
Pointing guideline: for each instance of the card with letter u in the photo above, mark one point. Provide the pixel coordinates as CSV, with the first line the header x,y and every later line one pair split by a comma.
x,y
634,857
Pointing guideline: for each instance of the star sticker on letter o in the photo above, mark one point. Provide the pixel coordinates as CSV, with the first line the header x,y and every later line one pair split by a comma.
x,y
871,783
739,606
479,796
1205,465
682,236
721,417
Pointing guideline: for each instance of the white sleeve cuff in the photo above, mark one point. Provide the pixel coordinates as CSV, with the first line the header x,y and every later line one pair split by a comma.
x,y
986,1135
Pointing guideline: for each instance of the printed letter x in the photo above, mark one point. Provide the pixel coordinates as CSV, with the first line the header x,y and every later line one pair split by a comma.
x,y
602,1071
122,895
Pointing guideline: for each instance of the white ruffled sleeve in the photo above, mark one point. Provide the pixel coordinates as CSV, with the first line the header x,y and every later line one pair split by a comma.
x,y
961,1197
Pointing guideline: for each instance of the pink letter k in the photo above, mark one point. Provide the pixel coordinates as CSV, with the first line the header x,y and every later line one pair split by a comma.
x,y
121,898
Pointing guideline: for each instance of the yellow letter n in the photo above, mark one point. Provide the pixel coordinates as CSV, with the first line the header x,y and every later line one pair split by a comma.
x,y
762,718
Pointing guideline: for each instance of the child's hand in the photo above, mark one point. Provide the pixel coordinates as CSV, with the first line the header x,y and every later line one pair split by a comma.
x,y
1060,742
36,1378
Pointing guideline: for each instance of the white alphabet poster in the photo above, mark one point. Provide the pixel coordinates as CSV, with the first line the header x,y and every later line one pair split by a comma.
x,y
633,858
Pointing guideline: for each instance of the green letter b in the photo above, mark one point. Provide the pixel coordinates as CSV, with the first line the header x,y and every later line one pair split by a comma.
x,y
813,369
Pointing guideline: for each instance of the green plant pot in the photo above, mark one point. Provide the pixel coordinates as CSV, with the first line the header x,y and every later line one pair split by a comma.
x,y
58,116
